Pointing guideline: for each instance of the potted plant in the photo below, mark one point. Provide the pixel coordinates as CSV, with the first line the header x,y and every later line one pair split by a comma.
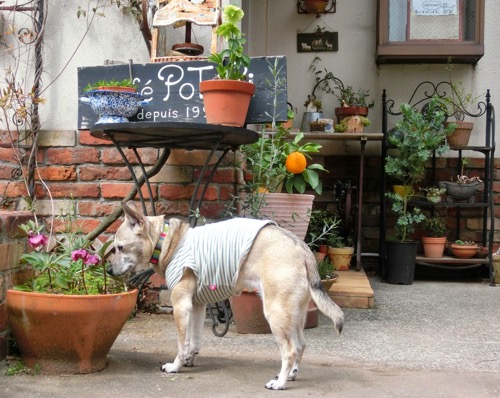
x,y
340,251
114,101
227,97
464,188
274,162
354,104
464,249
68,313
322,225
433,194
326,274
420,136
434,238
458,103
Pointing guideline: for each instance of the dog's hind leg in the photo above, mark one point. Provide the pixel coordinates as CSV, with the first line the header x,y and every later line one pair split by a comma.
x,y
182,301
300,342
196,332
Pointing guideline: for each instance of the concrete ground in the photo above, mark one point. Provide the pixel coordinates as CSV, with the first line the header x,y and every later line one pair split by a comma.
x,y
430,339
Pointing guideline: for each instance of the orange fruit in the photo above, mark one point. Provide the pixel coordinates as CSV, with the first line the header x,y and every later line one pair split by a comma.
x,y
296,163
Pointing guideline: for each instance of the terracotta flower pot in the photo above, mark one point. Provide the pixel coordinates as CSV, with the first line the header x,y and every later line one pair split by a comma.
x,y
433,247
226,101
67,333
464,251
341,257
461,135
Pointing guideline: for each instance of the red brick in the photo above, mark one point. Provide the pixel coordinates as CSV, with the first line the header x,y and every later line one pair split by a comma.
x,y
111,156
84,138
7,138
176,191
121,190
107,173
221,175
9,224
179,208
211,194
226,192
6,171
13,189
212,209
7,154
76,156
58,173
66,190
99,209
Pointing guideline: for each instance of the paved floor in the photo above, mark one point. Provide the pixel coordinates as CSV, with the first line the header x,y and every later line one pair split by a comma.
x,y
430,339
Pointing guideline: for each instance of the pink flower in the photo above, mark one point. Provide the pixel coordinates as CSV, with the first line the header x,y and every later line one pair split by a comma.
x,y
36,240
79,254
213,287
92,259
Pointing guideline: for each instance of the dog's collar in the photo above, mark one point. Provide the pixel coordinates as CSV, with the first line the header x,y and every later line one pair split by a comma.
x,y
157,250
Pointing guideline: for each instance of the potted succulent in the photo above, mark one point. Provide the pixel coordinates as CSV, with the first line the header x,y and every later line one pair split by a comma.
x,y
464,188
434,237
227,97
433,194
464,249
68,313
114,101
419,136
326,274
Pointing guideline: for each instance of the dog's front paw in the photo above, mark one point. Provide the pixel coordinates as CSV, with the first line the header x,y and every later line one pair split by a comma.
x,y
274,385
169,368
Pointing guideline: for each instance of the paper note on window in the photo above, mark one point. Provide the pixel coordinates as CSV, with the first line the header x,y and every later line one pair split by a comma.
x,y
435,7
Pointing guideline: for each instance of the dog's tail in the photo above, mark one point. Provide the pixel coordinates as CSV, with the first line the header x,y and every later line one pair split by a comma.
x,y
321,298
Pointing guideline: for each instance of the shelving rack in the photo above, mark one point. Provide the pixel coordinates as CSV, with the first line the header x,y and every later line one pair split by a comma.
x,y
484,109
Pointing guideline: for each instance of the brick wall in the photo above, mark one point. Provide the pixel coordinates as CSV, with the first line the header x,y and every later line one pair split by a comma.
x,y
12,245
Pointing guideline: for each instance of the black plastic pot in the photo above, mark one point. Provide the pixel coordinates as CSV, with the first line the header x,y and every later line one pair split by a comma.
x,y
400,262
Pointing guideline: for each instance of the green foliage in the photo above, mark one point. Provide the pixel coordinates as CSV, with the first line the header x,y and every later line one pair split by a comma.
x,y
110,83
266,159
18,367
66,264
420,135
325,269
434,227
231,62
323,225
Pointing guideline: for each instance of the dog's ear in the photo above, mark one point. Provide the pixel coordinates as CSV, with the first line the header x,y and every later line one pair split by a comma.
x,y
132,217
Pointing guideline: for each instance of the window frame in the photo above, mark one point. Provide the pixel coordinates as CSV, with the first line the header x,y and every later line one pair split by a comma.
x,y
428,51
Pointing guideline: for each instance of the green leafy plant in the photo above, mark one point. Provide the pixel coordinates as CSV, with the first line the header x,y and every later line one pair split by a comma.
x,y
65,264
434,227
325,269
433,194
420,134
322,226
266,159
460,242
230,62
110,83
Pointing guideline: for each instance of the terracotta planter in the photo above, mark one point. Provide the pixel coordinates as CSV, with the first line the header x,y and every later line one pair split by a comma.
x,y
290,210
248,314
461,251
315,6
67,333
433,247
346,111
461,135
341,257
226,101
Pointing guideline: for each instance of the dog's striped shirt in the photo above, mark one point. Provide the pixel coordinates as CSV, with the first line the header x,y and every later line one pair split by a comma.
x,y
215,252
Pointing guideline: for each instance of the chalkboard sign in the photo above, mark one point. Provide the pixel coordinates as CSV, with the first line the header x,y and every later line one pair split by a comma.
x,y
172,89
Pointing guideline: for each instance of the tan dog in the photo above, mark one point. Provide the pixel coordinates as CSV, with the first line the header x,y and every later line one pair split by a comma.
x,y
276,263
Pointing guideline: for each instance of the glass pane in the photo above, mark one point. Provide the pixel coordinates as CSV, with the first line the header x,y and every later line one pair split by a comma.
x,y
397,20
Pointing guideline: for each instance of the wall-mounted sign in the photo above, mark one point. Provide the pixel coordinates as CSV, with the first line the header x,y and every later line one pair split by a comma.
x,y
172,89
317,42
